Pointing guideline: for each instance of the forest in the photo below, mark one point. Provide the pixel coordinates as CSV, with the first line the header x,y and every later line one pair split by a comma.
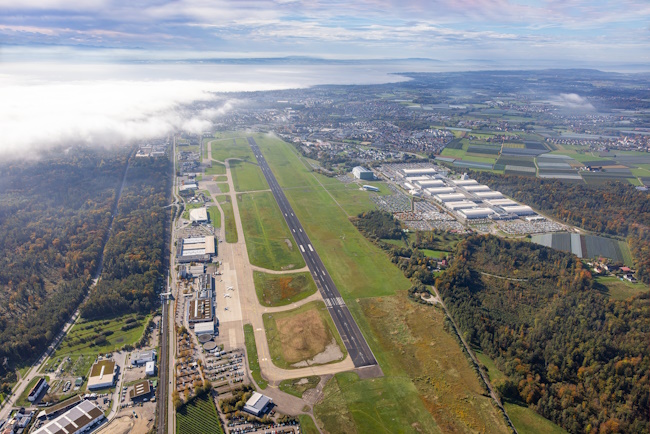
x,y
575,356
134,256
54,216
378,224
613,208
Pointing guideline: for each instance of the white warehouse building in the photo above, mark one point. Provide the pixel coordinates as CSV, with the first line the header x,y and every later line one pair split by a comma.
x,y
488,195
419,172
501,202
463,182
430,183
474,188
451,197
475,213
519,210
439,190
463,204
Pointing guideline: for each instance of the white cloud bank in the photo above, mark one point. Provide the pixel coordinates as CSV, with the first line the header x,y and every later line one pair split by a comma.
x,y
572,101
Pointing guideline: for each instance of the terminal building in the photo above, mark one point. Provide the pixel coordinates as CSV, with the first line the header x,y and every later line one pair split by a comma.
x,y
363,173
199,310
79,419
195,249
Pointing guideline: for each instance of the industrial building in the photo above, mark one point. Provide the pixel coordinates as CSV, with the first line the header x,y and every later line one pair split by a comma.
x,y
419,172
417,178
188,187
199,215
519,210
451,197
475,213
140,358
439,190
363,173
79,419
501,202
204,328
199,310
488,195
140,390
196,249
150,368
429,183
258,404
463,204
40,385
474,188
102,375
206,286
464,182
370,188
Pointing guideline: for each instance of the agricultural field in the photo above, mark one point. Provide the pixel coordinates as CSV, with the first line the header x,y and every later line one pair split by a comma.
x,y
247,176
268,239
229,217
304,336
215,216
587,246
283,289
199,415
253,359
618,289
101,336
298,386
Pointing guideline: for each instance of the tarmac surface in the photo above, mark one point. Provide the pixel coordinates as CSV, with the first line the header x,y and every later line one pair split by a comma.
x,y
351,335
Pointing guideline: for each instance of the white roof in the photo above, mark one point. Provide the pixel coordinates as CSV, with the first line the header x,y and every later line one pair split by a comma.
x,y
204,328
519,209
440,190
430,170
449,197
430,183
460,204
476,212
199,214
501,202
465,182
476,187
489,194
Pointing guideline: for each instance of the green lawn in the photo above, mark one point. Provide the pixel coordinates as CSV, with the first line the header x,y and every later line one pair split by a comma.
x,y
382,405
215,216
438,254
190,206
216,169
268,239
81,338
224,187
527,421
247,176
307,425
453,153
22,399
229,217
274,334
253,361
353,200
281,290
198,416
298,386
618,289
226,148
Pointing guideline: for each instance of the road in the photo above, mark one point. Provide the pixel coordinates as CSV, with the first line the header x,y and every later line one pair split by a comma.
x,y
353,340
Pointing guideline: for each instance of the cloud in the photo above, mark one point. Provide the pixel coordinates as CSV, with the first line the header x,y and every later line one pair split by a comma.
x,y
572,101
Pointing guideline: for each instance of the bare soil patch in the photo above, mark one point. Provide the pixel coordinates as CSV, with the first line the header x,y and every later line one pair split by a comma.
x,y
303,336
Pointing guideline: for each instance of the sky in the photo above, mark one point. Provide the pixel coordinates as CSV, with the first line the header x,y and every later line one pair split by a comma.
x,y
107,72
553,32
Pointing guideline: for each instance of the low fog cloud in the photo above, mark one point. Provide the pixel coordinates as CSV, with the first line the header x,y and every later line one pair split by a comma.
x,y
572,101
35,116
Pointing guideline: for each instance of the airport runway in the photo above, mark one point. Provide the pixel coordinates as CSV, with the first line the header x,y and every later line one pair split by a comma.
x,y
354,341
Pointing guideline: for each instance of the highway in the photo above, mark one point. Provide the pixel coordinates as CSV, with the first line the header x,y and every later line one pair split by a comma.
x,y
353,340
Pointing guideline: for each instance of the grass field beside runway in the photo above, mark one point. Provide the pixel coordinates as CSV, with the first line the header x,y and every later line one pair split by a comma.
x,y
283,289
247,176
215,216
299,335
231,148
251,353
268,240
229,217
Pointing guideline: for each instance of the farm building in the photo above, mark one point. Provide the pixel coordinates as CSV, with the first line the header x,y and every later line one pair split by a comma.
x,y
363,173
196,249
419,172
140,358
475,188
199,215
102,375
40,385
204,328
464,182
451,197
475,213
488,195
78,419
439,190
519,210
462,204
258,404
